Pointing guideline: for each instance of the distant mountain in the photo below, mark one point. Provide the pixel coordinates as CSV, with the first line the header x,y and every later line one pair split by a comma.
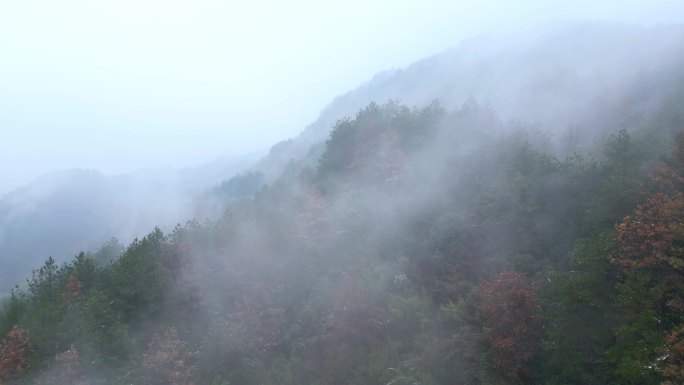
x,y
63,213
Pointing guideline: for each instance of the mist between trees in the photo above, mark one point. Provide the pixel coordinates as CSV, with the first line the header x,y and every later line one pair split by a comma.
x,y
416,245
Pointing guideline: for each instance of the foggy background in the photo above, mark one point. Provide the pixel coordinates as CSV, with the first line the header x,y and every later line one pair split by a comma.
x,y
118,87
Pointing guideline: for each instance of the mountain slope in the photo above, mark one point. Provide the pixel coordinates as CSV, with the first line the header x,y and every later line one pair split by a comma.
x,y
426,246
583,76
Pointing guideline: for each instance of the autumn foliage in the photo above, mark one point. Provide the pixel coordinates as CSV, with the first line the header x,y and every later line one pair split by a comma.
x,y
651,237
512,318
14,351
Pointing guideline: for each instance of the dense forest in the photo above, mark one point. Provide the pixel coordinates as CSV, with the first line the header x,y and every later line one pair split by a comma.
x,y
426,245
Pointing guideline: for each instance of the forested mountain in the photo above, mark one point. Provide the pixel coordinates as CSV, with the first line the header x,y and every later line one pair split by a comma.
x,y
585,76
457,242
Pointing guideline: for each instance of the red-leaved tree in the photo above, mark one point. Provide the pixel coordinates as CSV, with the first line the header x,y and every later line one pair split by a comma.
x,y
14,352
650,238
513,322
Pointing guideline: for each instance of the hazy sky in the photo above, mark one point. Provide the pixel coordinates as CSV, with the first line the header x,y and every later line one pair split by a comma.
x,y
128,84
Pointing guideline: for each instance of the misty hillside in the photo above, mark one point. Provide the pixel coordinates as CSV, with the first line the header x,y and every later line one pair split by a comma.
x,y
525,228
65,212
555,77
584,76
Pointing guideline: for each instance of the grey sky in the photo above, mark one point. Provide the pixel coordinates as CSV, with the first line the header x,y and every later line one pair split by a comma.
x,y
129,84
